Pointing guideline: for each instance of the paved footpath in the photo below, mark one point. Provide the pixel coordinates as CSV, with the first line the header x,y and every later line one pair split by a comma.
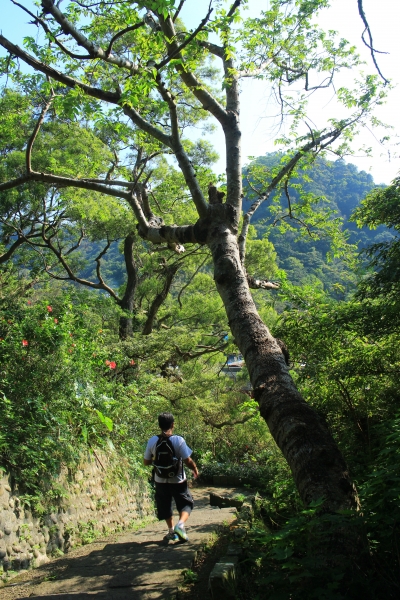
x,y
134,565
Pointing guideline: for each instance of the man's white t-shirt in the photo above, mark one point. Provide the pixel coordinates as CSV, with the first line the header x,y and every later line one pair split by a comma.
x,y
181,450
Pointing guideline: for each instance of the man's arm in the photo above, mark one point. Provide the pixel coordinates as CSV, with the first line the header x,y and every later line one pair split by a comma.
x,y
192,466
147,462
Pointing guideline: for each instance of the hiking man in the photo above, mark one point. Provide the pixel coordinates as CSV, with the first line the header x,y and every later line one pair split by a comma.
x,y
167,453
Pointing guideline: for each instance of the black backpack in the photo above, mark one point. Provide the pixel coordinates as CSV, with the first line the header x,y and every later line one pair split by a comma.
x,y
166,464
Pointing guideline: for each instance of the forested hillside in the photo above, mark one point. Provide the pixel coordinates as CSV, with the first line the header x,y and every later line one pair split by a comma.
x,y
306,260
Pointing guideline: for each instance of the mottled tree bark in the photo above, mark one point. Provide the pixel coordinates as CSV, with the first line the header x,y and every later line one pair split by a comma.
x,y
302,435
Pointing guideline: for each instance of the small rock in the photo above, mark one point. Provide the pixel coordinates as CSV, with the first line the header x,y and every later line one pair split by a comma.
x,y
240,532
231,560
222,581
234,550
6,565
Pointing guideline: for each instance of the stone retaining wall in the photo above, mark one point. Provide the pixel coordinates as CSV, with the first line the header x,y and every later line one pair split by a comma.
x,y
89,503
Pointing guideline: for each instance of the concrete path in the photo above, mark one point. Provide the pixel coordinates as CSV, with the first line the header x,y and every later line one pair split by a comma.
x,y
135,565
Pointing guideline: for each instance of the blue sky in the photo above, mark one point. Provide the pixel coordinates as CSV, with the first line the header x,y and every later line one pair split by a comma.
x,y
258,110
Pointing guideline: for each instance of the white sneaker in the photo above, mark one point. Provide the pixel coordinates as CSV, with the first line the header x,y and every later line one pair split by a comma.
x,y
181,533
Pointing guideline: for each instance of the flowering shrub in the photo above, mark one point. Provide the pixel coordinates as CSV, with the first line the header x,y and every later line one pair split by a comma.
x,y
56,399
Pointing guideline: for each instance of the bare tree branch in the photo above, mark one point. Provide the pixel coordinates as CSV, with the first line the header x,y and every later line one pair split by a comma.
x,y
120,34
191,37
112,97
34,134
261,284
178,10
213,48
232,423
330,136
187,355
190,281
18,242
170,272
370,42
52,35
60,181
233,8
94,50
180,153
208,102
100,285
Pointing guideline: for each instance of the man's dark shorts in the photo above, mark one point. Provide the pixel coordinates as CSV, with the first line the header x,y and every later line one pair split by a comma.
x,y
166,492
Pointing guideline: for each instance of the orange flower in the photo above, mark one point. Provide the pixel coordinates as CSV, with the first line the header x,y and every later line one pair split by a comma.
x,y
108,362
132,362
49,308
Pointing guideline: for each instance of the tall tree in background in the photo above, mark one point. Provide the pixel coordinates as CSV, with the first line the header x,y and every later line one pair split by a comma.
x,y
135,65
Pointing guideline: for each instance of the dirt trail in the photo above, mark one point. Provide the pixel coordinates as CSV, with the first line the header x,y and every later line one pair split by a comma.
x,y
134,565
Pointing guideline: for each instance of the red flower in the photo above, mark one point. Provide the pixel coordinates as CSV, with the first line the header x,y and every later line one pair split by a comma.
x,y
25,343
56,321
49,308
132,362
113,365
29,303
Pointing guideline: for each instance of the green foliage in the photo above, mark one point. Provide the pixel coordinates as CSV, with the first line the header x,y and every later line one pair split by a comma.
x,y
381,207
60,392
345,360
292,562
189,576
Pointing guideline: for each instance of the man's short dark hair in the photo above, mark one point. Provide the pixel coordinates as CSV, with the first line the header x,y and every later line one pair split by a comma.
x,y
165,421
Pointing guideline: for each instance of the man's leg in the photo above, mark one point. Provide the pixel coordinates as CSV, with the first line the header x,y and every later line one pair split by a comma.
x,y
163,500
184,504
183,516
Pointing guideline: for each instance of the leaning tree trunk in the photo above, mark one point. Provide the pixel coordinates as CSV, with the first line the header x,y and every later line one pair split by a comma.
x,y
127,301
302,435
